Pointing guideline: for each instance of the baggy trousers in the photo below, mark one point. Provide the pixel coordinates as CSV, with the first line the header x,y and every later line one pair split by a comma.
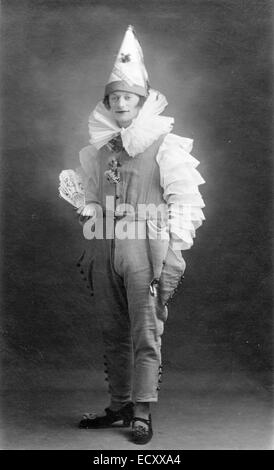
x,y
131,319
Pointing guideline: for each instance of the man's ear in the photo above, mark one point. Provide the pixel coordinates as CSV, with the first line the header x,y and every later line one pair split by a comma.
x,y
106,102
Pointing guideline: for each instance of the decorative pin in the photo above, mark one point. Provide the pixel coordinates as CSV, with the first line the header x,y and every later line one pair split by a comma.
x,y
113,174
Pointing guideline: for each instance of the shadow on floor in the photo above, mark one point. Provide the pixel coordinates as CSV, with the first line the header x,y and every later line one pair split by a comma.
x,y
195,412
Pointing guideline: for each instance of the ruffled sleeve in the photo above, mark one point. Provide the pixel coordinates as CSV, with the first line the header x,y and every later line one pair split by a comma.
x,y
180,181
89,173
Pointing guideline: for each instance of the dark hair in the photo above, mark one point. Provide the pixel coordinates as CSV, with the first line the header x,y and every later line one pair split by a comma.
x,y
141,102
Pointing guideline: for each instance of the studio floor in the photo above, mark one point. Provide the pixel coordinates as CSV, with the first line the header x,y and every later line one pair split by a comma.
x,y
195,412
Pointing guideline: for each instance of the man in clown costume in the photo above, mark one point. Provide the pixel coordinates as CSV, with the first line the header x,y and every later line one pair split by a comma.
x,y
133,165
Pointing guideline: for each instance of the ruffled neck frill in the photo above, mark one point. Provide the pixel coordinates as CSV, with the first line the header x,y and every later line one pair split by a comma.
x,y
147,127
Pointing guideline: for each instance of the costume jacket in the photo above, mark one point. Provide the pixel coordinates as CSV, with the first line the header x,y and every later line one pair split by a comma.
x,y
144,164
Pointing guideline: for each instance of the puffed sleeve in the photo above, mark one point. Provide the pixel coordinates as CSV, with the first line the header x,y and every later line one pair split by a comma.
x,y
89,172
180,181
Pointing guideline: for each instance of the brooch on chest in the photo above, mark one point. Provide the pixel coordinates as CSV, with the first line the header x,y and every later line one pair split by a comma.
x,y
113,174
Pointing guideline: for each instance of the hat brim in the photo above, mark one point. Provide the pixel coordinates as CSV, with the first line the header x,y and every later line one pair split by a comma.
x,y
124,86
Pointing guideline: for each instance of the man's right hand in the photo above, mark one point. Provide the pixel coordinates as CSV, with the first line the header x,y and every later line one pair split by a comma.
x,y
87,211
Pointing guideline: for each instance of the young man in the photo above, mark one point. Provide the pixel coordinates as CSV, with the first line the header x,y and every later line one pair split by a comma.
x,y
143,204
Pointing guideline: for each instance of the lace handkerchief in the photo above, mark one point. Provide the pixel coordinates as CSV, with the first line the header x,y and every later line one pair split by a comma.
x,y
71,188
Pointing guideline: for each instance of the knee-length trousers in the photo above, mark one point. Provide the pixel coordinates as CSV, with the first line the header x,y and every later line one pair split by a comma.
x,y
131,319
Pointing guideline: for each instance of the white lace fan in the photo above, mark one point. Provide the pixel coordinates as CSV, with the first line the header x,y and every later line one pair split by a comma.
x,y
71,188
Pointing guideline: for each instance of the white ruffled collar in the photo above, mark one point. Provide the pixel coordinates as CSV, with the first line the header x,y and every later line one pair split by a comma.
x,y
147,127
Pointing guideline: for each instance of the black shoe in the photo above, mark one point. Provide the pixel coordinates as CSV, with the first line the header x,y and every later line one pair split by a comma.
x,y
140,434
92,421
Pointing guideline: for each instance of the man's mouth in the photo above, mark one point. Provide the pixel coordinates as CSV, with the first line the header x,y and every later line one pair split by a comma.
x,y
120,112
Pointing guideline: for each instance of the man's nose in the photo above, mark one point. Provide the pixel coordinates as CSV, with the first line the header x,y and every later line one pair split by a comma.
x,y
121,101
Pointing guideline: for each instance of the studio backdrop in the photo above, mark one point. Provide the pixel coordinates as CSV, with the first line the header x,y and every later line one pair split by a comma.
x,y
211,59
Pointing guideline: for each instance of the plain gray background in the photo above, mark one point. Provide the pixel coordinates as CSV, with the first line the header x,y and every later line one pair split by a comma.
x,y
212,60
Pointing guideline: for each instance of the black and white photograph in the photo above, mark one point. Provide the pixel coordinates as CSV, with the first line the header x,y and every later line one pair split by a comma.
x,y
136,227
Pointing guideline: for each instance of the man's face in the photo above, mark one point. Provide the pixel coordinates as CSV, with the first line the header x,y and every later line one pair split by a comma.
x,y
124,107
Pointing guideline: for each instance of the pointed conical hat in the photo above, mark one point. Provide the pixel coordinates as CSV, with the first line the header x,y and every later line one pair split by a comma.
x,y
129,72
